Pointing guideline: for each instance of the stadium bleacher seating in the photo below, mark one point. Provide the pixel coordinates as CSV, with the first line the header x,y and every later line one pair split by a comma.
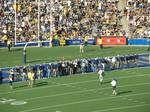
x,y
71,19
59,18
138,15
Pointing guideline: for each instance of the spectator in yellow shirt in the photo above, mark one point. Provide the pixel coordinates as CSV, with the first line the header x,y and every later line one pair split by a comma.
x,y
5,38
100,42
9,44
86,40
31,78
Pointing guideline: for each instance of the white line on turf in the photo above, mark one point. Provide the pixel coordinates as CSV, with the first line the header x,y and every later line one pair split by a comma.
x,y
84,101
143,102
75,92
79,82
120,108
135,101
68,85
106,94
130,99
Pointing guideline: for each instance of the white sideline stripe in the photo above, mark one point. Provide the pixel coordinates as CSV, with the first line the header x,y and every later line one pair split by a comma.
x,y
83,101
120,108
79,82
75,92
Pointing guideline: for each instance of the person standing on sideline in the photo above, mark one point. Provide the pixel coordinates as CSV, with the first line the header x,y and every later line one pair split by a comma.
x,y
100,42
86,40
101,75
9,44
113,84
29,77
10,81
81,46
13,74
50,41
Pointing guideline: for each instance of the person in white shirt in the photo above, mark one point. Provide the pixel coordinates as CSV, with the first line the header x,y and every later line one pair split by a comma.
x,y
113,84
69,3
101,75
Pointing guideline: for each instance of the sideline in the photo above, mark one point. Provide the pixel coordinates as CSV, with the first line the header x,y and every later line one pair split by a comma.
x,y
79,82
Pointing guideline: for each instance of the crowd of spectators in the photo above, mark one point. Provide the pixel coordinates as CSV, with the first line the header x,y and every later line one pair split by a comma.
x,y
7,20
71,19
78,66
138,15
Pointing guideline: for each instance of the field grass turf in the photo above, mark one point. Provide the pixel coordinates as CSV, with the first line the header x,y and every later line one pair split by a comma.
x,y
82,93
79,93
45,55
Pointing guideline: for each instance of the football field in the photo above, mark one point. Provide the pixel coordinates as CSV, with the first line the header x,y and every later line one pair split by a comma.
x,y
76,93
81,93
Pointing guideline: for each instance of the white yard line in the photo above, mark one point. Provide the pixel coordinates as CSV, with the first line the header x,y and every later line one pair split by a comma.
x,y
80,82
83,101
82,91
120,108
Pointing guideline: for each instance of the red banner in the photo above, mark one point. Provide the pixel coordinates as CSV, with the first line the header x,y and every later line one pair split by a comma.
x,y
114,40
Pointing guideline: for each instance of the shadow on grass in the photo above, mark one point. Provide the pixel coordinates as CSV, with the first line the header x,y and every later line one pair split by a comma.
x,y
123,92
34,61
21,86
37,84
15,49
40,60
105,47
106,82
41,84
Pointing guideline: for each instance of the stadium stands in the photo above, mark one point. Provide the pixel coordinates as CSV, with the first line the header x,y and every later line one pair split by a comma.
x,y
138,15
7,17
72,19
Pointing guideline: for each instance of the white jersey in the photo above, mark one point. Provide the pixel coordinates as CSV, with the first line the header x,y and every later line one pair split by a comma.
x,y
100,72
113,83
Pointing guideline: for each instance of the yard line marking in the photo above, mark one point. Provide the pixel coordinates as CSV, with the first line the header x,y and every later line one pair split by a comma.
x,y
143,102
106,94
75,92
79,82
84,101
120,108
130,99
135,101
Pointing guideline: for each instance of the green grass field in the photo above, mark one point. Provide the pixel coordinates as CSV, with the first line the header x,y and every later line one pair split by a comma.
x,y
81,93
45,55
78,93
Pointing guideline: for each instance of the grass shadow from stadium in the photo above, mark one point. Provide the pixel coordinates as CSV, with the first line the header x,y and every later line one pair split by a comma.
x,y
123,92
